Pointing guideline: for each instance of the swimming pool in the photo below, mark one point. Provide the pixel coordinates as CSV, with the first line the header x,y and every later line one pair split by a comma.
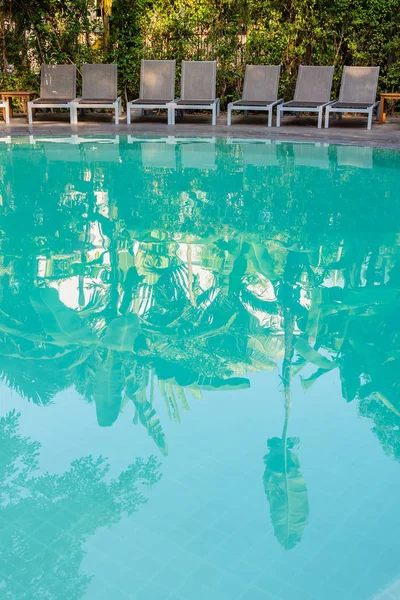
x,y
199,356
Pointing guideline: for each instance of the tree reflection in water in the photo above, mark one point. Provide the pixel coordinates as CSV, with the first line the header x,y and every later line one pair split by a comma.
x,y
119,275
45,518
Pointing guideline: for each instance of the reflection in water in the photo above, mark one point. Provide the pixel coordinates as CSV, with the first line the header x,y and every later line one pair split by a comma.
x,y
187,264
45,518
286,491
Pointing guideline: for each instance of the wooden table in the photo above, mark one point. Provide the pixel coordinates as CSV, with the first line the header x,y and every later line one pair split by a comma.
x,y
25,97
384,97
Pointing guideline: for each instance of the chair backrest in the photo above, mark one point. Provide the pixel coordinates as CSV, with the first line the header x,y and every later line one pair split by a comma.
x,y
314,84
359,84
261,82
58,82
198,79
99,81
157,79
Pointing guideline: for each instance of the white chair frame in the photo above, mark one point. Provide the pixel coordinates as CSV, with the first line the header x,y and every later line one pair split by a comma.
x,y
4,104
69,105
133,105
295,109
116,106
266,107
214,107
369,111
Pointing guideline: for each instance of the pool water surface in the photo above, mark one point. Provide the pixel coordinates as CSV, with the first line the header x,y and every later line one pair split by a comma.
x,y
199,370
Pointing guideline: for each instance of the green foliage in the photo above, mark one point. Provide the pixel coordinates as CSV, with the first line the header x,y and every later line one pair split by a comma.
x,y
360,32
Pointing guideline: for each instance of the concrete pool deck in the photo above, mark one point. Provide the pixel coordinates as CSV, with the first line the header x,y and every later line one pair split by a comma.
x,y
352,131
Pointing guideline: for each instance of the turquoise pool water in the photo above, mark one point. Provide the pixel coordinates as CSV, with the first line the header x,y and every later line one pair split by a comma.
x,y
200,370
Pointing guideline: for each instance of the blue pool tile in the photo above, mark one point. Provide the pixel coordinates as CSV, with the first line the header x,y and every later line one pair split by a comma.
x,y
231,585
256,594
185,562
207,574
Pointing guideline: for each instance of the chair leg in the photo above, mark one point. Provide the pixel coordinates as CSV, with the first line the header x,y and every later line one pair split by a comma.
x,y
116,111
369,124
73,112
319,118
7,113
214,115
218,108
30,111
128,114
172,115
229,116
378,112
327,111
278,116
270,117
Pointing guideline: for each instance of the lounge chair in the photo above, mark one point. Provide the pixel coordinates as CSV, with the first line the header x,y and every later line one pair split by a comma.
x,y
99,88
260,91
57,90
6,108
157,87
357,93
198,85
312,93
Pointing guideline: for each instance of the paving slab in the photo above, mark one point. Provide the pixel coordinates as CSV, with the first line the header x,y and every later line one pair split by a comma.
x,y
352,131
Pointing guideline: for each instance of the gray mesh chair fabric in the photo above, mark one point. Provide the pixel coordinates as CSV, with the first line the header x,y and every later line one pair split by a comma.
x,y
357,93
261,83
260,90
198,81
312,93
313,84
99,82
198,88
157,86
157,80
57,83
100,88
57,90
359,85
